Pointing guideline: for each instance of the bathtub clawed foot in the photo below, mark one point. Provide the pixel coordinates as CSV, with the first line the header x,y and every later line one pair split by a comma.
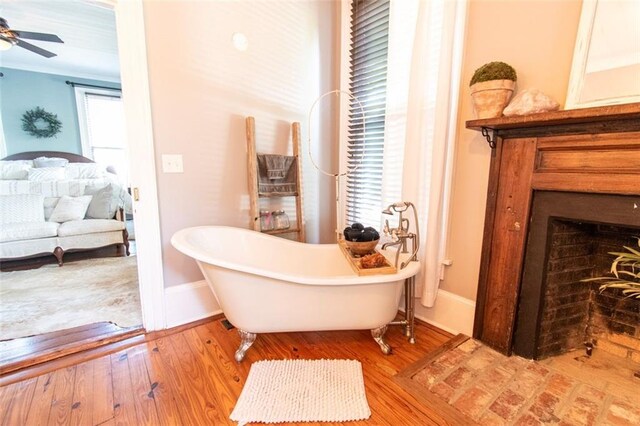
x,y
246,340
378,336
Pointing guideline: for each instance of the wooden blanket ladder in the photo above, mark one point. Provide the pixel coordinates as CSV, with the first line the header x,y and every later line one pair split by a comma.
x,y
254,193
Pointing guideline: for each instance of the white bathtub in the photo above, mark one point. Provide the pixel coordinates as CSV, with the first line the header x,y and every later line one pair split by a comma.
x,y
266,284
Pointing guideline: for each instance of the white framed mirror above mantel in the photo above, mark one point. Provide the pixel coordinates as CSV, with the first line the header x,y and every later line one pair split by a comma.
x,y
606,59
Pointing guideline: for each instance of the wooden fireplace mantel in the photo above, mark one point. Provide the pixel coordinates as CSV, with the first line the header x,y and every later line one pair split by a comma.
x,y
615,113
592,150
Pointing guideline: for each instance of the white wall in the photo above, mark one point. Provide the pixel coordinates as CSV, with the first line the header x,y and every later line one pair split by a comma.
x,y
201,90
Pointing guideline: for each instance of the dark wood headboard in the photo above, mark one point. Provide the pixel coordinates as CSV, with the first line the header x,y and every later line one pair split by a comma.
x,y
73,158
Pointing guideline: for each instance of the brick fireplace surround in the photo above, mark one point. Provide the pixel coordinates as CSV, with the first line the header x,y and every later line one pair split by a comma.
x,y
585,165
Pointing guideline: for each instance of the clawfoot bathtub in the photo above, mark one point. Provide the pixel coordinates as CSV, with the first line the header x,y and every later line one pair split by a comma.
x,y
266,284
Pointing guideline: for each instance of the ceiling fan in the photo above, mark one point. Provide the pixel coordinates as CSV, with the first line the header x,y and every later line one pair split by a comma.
x,y
9,38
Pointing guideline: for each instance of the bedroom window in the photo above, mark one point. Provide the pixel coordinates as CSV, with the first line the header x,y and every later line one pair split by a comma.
x,y
368,83
102,128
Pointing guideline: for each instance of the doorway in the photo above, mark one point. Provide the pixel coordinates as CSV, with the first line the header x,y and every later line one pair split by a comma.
x,y
136,104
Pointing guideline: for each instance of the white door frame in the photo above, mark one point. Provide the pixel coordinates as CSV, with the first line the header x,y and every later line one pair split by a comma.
x,y
134,78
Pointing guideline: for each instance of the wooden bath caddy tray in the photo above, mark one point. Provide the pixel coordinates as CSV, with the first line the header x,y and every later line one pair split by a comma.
x,y
354,261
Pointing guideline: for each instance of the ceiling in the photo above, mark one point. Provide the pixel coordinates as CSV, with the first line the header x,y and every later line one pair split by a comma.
x,y
90,48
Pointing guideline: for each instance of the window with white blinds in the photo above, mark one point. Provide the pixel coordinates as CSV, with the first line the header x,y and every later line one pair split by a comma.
x,y
368,83
102,128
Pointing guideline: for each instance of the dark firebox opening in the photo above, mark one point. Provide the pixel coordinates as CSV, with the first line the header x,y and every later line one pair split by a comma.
x,y
569,239
575,313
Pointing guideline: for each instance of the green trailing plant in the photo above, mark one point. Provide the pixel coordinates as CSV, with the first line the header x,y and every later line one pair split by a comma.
x,y
32,118
625,273
494,71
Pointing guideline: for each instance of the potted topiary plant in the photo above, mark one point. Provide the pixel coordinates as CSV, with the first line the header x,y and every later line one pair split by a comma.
x,y
492,86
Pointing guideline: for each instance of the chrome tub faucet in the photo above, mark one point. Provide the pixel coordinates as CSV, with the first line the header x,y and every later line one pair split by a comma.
x,y
401,234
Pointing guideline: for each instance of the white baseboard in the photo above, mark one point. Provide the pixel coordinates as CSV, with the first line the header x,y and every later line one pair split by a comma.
x,y
189,302
451,313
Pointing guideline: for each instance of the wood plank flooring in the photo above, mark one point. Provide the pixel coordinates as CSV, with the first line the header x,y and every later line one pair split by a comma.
x,y
190,378
16,354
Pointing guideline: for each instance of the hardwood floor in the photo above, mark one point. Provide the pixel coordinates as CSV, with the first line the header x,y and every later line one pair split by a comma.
x,y
23,352
189,377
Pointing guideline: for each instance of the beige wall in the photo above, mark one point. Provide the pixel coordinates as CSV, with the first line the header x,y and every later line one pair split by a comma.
x,y
537,38
201,90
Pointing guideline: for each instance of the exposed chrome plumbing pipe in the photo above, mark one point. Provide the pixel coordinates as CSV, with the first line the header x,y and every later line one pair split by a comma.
x,y
401,234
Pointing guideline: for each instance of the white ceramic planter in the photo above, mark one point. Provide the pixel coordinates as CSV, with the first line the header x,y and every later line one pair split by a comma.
x,y
491,97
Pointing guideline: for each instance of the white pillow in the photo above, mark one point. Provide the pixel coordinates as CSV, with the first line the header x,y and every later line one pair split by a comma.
x,y
27,162
41,162
14,170
50,204
46,173
70,208
21,208
85,171
102,205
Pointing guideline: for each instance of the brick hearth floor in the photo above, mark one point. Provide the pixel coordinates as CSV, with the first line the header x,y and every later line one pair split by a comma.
x,y
494,389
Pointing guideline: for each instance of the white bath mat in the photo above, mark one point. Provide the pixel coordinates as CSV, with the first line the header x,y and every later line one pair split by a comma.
x,y
302,391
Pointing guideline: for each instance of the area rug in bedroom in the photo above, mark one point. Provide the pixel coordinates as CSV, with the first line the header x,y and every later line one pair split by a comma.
x,y
56,298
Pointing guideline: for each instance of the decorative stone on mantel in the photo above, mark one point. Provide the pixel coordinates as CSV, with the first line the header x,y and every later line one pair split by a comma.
x,y
593,150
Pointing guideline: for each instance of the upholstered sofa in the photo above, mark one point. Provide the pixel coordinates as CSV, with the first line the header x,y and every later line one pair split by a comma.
x,y
51,215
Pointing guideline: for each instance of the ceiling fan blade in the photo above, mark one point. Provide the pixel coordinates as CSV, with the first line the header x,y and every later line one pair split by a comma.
x,y
38,36
35,49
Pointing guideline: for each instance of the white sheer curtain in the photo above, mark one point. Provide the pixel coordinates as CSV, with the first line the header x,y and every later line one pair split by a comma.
x,y
425,55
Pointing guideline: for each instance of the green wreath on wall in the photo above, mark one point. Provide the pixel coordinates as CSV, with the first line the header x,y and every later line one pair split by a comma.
x,y
40,123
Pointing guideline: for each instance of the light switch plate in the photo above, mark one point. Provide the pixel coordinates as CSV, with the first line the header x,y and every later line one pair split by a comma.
x,y
172,163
